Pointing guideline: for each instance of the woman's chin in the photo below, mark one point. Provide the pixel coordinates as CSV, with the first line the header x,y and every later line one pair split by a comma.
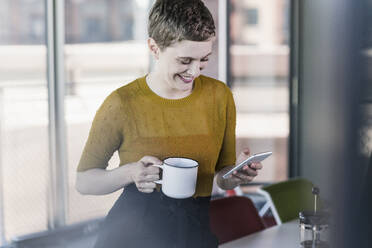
x,y
186,87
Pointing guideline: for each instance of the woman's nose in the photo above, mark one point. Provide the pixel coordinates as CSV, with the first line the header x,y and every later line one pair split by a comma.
x,y
194,69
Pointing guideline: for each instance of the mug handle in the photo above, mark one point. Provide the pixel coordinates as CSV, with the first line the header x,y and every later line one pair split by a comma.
x,y
161,167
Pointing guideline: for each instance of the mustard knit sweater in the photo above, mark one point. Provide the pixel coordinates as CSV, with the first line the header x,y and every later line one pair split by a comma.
x,y
137,122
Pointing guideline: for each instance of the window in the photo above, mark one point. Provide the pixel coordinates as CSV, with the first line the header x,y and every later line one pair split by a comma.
x,y
259,73
251,16
103,52
105,47
24,146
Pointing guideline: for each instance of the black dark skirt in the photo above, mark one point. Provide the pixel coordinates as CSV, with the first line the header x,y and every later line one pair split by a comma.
x,y
155,220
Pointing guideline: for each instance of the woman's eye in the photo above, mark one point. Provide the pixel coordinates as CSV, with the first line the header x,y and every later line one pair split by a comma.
x,y
188,61
185,62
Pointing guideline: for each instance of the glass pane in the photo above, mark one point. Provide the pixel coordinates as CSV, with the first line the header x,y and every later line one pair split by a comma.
x,y
259,66
24,152
366,106
212,68
105,49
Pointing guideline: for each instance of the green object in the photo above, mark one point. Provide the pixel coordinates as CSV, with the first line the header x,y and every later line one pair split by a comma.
x,y
286,199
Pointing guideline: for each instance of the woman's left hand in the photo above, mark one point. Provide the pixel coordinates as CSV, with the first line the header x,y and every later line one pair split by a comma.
x,y
248,172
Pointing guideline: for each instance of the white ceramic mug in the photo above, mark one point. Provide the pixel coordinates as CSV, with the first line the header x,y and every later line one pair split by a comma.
x,y
179,177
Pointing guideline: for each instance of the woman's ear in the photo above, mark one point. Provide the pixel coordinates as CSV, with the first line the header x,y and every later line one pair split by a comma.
x,y
154,48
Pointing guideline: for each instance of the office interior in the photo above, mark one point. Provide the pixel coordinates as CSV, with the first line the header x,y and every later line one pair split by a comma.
x,y
300,73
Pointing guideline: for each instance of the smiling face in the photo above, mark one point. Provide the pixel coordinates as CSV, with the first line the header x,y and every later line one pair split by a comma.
x,y
179,64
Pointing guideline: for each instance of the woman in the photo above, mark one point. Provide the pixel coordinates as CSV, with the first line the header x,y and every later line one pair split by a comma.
x,y
171,112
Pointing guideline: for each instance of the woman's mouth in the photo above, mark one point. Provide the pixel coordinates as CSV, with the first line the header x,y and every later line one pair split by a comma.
x,y
186,79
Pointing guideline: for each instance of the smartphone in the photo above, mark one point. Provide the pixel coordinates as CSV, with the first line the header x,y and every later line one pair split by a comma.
x,y
252,159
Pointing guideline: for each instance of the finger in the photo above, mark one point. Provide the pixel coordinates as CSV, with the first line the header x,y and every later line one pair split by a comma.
x,y
149,160
243,177
245,173
147,185
249,172
141,177
151,178
246,151
233,178
244,154
146,190
249,166
257,166
152,170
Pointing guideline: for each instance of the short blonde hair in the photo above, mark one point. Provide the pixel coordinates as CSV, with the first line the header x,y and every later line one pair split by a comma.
x,y
172,21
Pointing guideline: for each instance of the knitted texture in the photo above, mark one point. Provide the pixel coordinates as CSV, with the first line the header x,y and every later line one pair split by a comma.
x,y
137,122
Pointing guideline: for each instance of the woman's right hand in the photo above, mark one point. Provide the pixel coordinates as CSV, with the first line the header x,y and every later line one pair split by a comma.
x,y
144,174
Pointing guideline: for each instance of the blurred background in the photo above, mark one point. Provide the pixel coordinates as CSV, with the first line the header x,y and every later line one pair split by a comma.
x,y
288,96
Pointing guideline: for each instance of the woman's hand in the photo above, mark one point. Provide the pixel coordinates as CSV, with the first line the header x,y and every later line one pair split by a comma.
x,y
242,176
144,174
248,172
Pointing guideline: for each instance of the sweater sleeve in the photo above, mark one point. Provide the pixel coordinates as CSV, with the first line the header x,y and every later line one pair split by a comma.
x,y
105,136
227,154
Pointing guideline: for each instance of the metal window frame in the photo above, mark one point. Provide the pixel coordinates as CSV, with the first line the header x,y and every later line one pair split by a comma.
x,y
294,88
57,190
2,222
222,44
224,72
224,69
